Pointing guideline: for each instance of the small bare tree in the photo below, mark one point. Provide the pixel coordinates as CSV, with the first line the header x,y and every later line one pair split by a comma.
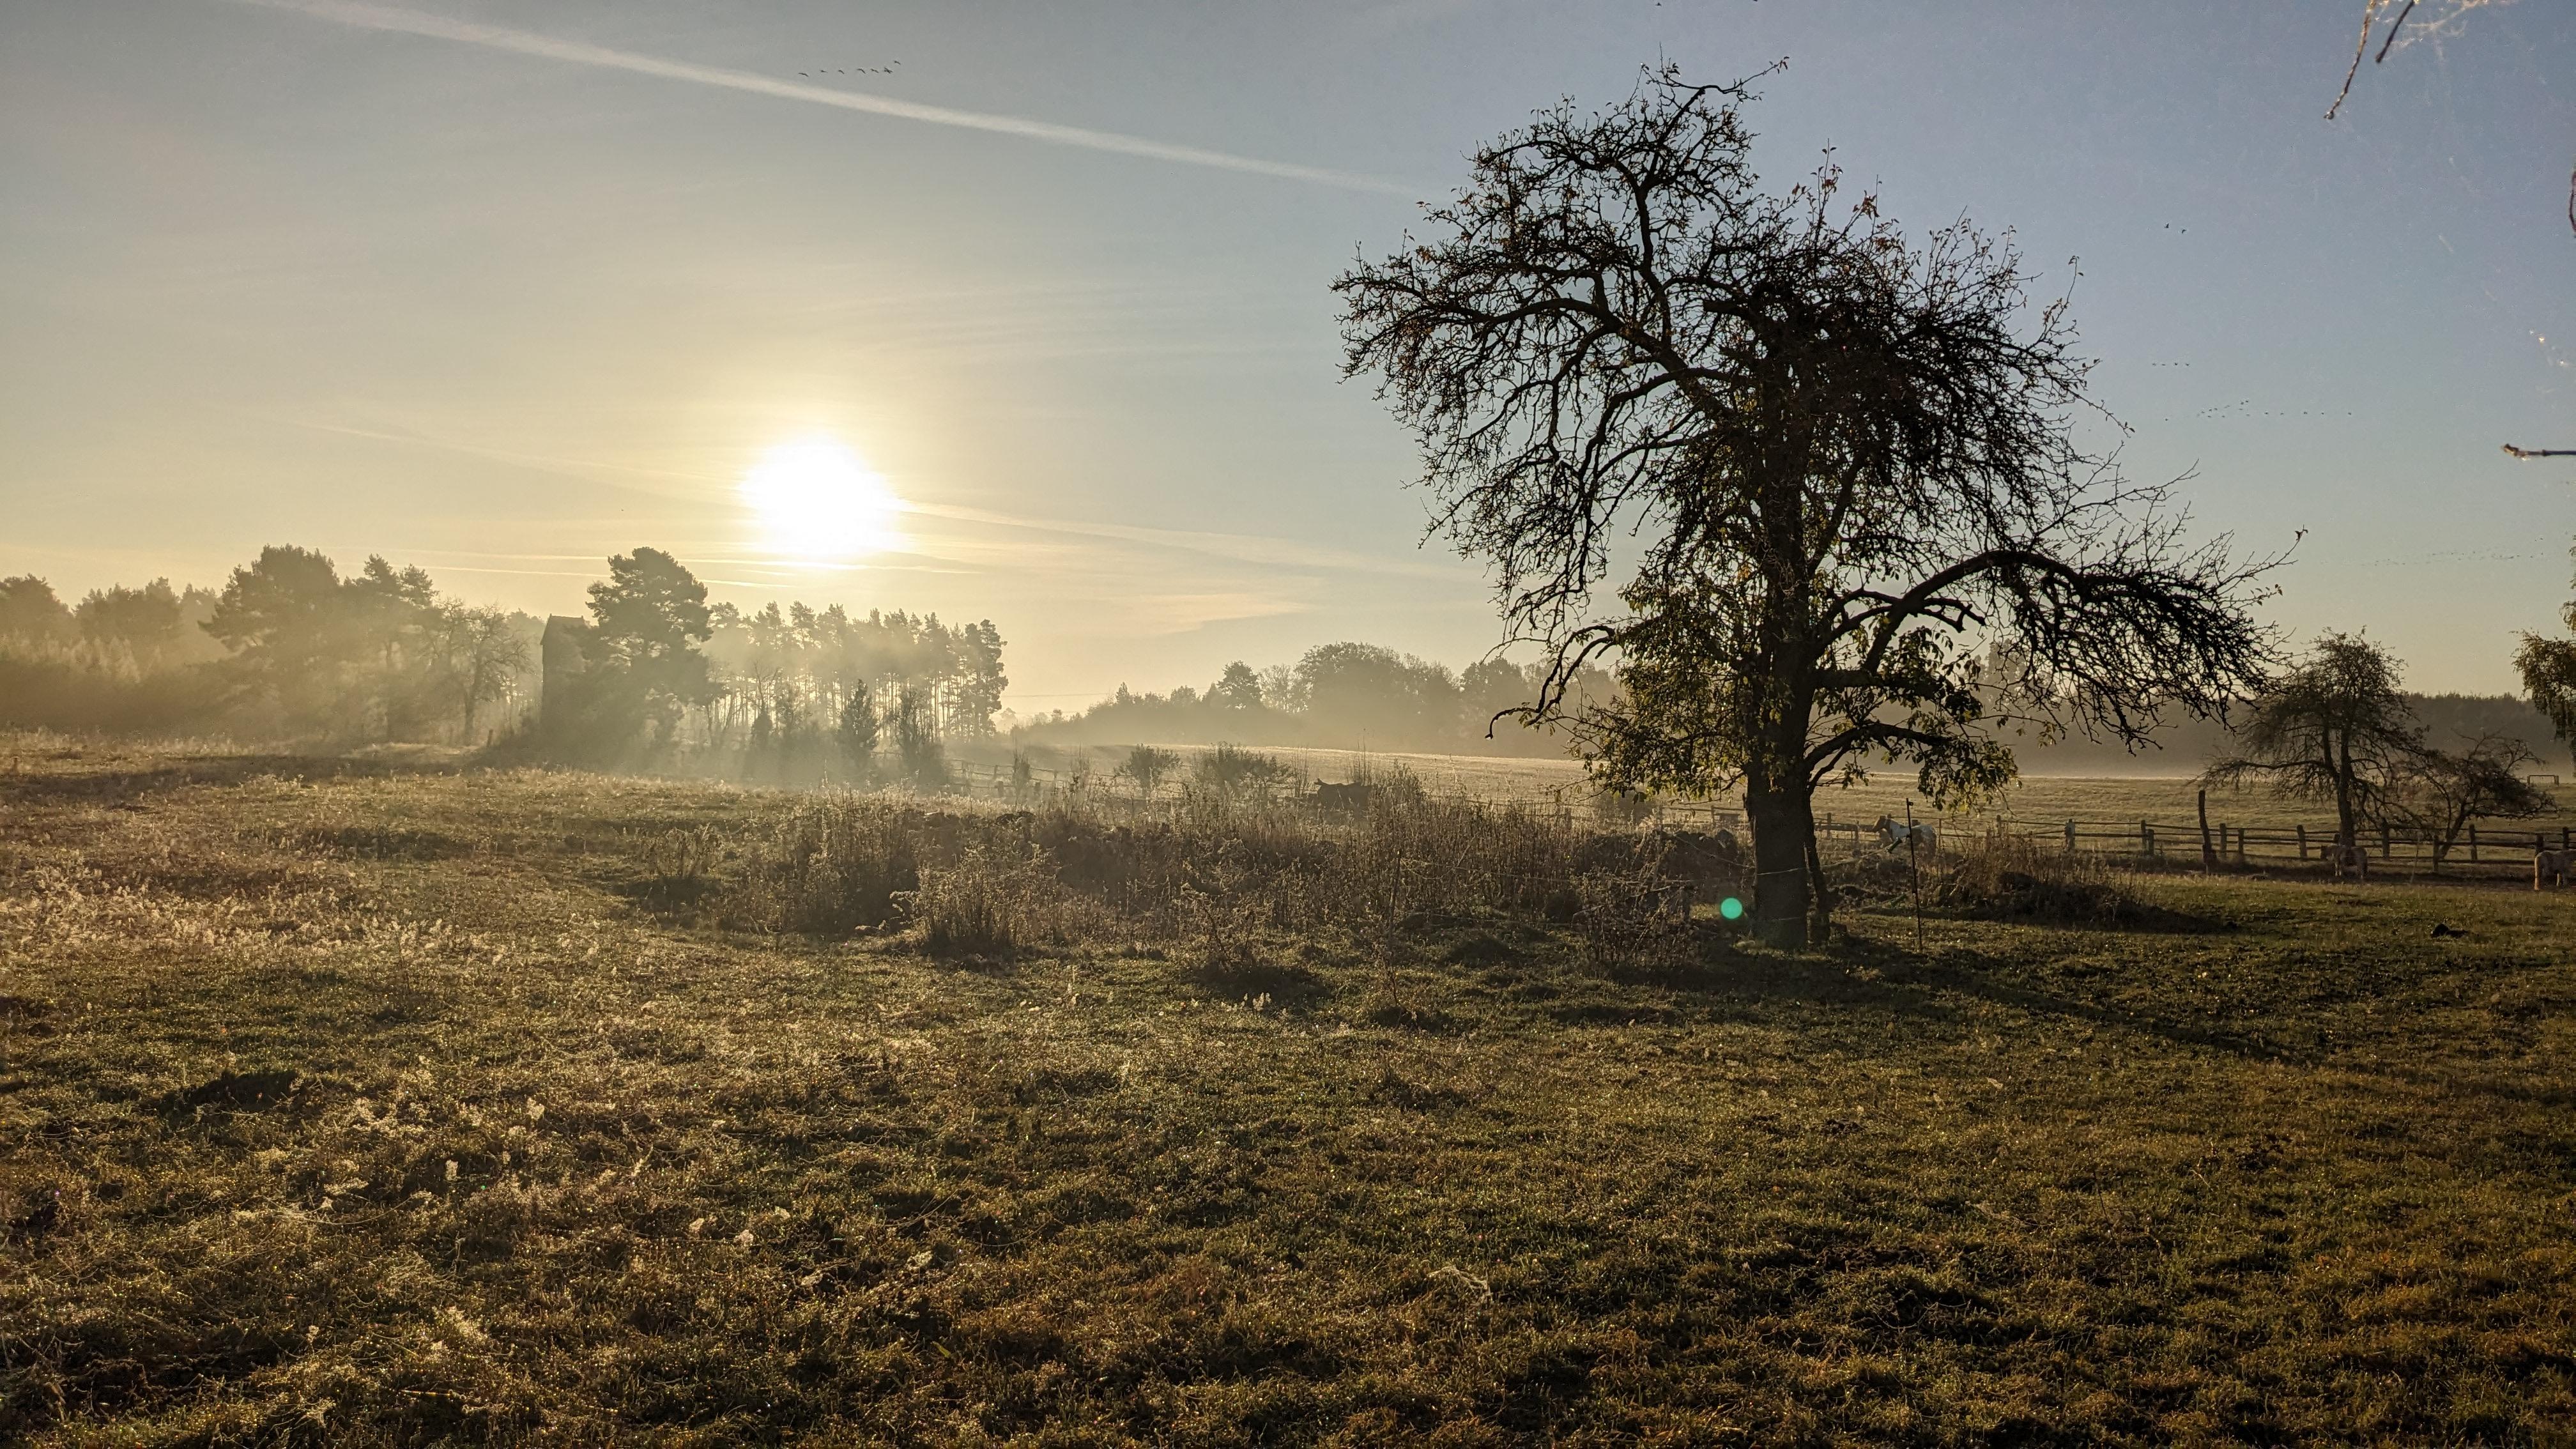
x,y
2439,793
1845,457
484,656
1147,767
2332,728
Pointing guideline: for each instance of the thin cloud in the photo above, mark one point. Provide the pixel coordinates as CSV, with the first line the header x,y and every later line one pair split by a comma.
x,y
1235,547
667,482
495,37
1231,547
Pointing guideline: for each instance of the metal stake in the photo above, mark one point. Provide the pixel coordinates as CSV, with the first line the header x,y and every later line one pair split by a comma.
x,y
1914,868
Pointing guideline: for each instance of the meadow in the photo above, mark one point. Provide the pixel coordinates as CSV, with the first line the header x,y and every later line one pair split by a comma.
x,y
390,1101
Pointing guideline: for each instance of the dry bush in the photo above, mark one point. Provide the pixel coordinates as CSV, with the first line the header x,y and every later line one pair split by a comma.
x,y
1211,873
2009,877
993,901
1631,918
678,865
835,863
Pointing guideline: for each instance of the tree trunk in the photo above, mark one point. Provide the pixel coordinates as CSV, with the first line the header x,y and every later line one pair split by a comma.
x,y
2347,821
1784,828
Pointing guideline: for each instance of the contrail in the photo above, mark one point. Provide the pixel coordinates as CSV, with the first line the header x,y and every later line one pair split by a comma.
x,y
415,22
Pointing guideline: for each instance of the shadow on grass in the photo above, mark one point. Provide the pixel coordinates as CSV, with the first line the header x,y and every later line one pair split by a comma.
x,y
1865,974
1285,982
76,786
1986,977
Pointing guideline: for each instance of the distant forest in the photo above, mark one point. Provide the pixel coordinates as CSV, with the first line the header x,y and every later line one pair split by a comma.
x,y
1361,696
289,648
2183,747
1343,696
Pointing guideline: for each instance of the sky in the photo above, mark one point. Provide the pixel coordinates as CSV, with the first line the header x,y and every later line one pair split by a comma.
x,y
500,287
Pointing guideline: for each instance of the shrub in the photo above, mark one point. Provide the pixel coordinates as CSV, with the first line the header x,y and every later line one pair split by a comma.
x,y
1148,766
1230,772
835,863
676,866
991,902
2008,877
1208,873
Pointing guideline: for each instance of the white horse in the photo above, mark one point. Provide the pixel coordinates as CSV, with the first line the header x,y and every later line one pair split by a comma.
x,y
2552,866
1897,834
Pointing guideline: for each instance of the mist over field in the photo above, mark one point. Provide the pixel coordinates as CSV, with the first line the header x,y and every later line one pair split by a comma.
x,y
1455,723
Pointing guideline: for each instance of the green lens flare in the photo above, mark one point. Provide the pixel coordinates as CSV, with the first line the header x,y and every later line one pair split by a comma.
x,y
1731,908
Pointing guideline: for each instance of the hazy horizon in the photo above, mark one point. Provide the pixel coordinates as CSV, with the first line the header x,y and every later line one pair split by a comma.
x,y
499,289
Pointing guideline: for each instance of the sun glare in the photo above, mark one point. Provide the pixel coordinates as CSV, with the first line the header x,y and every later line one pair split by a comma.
x,y
815,499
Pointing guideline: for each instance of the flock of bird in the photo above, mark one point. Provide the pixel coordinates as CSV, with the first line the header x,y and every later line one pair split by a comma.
x,y
2228,412
854,70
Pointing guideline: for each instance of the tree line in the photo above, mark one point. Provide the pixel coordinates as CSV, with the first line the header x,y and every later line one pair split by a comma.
x,y
794,694
291,648
1346,695
288,646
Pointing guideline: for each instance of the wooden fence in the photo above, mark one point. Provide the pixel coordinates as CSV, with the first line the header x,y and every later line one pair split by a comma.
x,y
2483,848
2493,848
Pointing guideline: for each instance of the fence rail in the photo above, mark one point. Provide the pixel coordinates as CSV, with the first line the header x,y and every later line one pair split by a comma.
x,y
2480,847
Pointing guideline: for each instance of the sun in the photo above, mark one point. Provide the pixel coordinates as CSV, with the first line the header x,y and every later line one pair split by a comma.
x,y
815,499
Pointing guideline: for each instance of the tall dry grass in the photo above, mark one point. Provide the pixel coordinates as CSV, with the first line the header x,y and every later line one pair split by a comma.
x,y
1211,873
2004,876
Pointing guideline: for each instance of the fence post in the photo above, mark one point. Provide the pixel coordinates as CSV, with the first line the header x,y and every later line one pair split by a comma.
x,y
2303,842
2146,840
2473,842
2383,841
2070,837
2208,858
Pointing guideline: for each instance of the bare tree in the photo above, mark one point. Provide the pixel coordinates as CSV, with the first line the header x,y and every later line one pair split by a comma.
x,y
2333,728
484,656
2438,792
1845,457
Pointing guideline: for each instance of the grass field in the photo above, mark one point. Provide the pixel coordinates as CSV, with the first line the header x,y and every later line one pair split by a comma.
x,y
351,1102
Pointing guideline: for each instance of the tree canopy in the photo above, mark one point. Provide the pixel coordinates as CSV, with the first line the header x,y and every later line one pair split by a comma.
x,y
2548,669
1834,464
2333,727
647,619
